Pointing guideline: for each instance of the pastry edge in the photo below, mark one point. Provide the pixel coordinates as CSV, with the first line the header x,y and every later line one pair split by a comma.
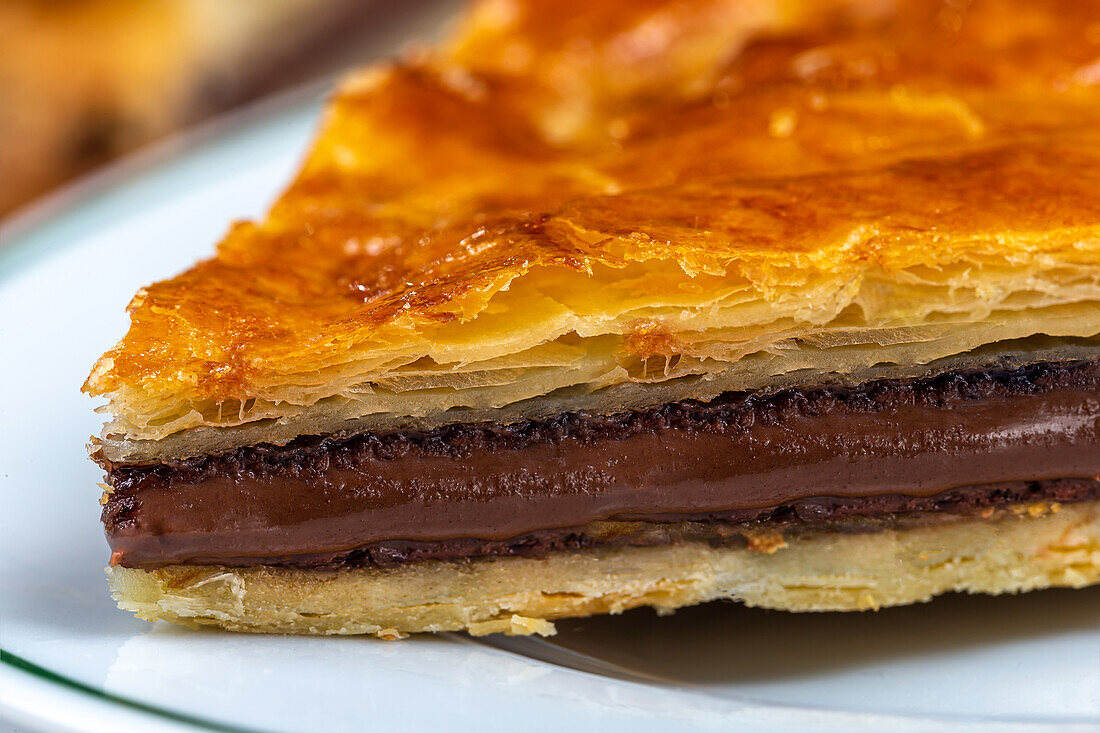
x,y
1028,548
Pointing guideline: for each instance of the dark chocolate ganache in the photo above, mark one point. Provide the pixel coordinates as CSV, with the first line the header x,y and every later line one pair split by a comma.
x,y
688,470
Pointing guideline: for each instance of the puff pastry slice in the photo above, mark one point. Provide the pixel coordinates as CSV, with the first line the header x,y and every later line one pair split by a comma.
x,y
592,308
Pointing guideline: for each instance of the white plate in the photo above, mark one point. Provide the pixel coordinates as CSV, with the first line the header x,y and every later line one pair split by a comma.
x,y
73,662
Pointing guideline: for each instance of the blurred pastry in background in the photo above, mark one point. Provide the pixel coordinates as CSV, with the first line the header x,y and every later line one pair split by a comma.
x,y
82,81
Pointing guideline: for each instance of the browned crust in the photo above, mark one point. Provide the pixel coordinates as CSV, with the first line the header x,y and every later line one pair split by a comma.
x,y
920,187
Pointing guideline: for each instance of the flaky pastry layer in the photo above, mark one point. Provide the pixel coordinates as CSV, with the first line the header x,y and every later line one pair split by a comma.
x,y
478,227
757,373
1029,548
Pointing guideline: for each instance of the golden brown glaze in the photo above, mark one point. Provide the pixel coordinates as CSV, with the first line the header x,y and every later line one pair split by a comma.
x,y
543,178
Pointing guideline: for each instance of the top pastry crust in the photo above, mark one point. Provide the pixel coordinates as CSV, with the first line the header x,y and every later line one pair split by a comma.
x,y
606,206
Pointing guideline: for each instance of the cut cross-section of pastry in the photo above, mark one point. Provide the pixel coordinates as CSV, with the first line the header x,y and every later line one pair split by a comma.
x,y
791,303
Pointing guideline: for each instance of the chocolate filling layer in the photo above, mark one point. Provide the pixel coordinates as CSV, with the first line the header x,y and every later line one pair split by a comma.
x,y
957,441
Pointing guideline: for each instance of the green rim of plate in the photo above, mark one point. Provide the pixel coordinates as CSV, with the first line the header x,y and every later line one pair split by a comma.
x,y
30,668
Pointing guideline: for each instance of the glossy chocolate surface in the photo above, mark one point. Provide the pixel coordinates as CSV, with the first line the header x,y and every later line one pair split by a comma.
x,y
739,457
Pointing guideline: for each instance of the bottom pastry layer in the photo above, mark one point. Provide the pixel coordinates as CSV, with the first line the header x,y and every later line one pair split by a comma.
x,y
1014,549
